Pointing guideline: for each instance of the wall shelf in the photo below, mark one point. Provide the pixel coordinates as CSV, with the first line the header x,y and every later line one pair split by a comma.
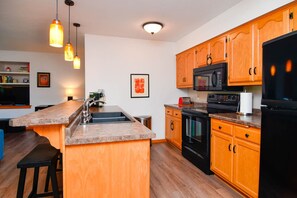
x,y
27,84
15,106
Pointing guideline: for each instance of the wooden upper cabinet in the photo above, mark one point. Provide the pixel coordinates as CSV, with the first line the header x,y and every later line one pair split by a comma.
x,y
240,55
265,29
217,49
185,63
202,52
213,51
293,17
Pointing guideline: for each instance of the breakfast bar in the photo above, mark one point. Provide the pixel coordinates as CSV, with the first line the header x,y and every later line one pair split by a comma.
x,y
109,159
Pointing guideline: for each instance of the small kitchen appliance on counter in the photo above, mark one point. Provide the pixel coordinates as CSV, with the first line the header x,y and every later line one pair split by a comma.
x,y
99,95
196,128
184,101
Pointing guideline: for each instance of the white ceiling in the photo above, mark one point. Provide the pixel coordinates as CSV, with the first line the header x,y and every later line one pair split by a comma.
x,y
24,24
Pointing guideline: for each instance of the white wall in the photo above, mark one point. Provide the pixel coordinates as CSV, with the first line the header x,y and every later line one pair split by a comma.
x,y
111,60
63,76
243,12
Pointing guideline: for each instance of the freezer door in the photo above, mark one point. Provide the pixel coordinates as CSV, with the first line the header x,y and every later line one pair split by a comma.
x,y
278,162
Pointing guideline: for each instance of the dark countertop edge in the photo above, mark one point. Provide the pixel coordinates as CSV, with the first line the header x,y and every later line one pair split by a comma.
x,y
221,116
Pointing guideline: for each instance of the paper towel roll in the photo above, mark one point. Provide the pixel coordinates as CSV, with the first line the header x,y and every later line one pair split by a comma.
x,y
246,103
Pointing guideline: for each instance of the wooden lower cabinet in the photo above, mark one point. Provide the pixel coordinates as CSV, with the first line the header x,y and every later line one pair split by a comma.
x,y
173,126
235,155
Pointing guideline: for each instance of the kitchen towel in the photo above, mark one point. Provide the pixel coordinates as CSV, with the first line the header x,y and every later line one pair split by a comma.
x,y
246,103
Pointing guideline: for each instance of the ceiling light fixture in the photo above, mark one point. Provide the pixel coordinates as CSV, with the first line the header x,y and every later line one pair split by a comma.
x,y
56,32
68,50
76,60
152,27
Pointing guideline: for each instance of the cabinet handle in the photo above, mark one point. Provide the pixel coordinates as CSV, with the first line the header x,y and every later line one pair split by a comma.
x,y
220,127
171,125
247,135
229,147
250,71
184,79
255,70
208,59
234,151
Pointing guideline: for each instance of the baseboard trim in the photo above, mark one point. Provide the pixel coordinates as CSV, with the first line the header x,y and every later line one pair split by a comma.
x,y
159,141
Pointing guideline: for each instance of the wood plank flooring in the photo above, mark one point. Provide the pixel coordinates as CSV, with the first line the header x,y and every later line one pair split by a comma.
x,y
172,176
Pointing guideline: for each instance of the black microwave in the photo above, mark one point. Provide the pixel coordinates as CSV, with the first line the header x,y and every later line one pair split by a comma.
x,y
212,78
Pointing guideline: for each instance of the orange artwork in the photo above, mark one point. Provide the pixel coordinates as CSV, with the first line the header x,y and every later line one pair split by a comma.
x,y
43,79
139,85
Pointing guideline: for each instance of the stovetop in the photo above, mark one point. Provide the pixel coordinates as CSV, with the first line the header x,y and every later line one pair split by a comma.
x,y
217,103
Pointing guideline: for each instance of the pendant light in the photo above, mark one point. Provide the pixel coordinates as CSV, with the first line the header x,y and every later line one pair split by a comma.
x,y
152,27
68,50
56,32
76,60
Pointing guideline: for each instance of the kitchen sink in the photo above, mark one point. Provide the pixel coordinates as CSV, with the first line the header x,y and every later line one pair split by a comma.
x,y
112,117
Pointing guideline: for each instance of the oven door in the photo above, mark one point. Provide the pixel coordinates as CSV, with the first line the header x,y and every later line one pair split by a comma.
x,y
195,132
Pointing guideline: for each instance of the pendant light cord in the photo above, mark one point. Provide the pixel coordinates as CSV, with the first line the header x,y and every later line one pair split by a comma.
x,y
57,10
69,25
76,42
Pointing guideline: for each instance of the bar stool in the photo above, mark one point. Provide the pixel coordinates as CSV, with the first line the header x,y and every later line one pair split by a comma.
x,y
41,155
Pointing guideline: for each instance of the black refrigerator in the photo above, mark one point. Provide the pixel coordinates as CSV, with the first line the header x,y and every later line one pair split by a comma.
x,y
278,161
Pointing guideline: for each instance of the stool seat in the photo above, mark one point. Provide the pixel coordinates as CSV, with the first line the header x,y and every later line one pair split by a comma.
x,y
41,155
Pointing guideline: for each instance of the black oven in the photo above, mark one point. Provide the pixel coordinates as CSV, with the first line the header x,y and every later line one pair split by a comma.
x,y
196,128
212,78
196,139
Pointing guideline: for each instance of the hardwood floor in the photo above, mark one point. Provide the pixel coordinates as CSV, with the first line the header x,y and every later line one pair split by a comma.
x,y
172,176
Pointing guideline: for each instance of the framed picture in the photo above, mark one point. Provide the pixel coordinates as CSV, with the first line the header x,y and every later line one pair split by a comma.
x,y
43,79
139,85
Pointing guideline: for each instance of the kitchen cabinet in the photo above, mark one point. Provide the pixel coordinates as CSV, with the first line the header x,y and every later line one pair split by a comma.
x,y
14,73
265,29
185,63
235,155
241,56
173,128
213,51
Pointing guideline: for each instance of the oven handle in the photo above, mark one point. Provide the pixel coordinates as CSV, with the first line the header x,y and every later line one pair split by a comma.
x,y
200,115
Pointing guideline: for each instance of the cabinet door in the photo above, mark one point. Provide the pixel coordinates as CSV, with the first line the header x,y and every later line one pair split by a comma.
x,y
293,17
185,63
267,28
221,155
181,79
241,55
168,128
217,49
246,166
177,129
202,51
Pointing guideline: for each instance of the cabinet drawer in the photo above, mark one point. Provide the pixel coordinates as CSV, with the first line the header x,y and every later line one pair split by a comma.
x,y
177,113
248,134
221,126
169,111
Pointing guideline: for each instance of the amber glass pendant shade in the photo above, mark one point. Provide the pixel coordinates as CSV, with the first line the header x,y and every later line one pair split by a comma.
x,y
56,34
76,62
68,52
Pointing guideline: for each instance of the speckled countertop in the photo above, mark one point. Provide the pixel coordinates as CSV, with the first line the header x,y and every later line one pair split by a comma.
x,y
68,114
63,113
253,120
107,132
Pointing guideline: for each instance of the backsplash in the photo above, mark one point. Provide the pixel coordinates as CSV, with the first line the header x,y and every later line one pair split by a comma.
x,y
201,96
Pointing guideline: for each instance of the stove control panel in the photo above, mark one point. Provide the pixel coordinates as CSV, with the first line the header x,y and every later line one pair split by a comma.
x,y
223,98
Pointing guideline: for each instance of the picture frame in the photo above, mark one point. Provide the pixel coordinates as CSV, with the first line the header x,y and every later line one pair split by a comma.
x,y
139,86
43,79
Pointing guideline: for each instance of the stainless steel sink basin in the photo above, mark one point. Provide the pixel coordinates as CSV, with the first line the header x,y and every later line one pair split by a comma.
x,y
112,117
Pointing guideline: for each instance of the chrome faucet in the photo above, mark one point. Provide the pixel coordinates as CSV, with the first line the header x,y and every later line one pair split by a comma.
x,y
86,116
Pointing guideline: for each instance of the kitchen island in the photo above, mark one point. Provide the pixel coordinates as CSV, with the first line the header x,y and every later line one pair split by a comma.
x,y
99,160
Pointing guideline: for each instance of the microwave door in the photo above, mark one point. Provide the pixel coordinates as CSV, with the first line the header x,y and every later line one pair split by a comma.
x,y
202,82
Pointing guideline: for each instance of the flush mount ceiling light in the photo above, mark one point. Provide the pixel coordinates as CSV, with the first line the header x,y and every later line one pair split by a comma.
x,y
68,50
76,60
152,27
56,32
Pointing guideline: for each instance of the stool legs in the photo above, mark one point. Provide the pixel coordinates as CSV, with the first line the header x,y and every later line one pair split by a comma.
x,y
47,180
35,182
54,180
21,184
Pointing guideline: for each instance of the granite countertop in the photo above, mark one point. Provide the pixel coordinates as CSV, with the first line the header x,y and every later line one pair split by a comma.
x,y
253,120
107,132
63,113
180,107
